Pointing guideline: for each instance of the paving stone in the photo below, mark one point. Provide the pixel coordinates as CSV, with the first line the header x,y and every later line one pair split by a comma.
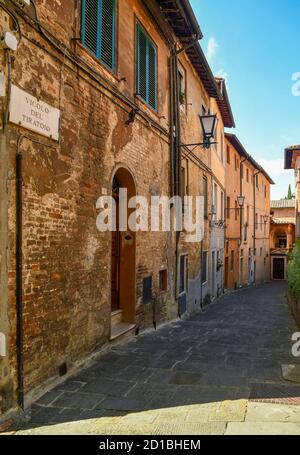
x,y
71,386
262,428
123,404
189,429
230,411
78,400
49,397
265,412
183,378
291,373
107,387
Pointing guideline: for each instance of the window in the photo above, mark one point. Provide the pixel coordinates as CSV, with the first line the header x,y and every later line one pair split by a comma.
x,y
216,201
242,170
204,267
281,241
183,188
222,148
248,214
163,280
236,163
182,86
205,195
265,191
257,182
98,29
146,80
242,253
247,173
222,205
228,208
261,251
183,274
245,233
232,260
236,211
228,154
147,290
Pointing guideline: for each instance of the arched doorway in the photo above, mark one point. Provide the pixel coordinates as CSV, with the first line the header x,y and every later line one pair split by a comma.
x,y
122,261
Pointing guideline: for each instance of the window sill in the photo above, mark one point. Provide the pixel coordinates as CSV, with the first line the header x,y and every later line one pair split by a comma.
x,y
144,103
85,52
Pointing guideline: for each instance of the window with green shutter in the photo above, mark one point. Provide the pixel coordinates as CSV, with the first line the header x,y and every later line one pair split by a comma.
x,y
146,80
98,29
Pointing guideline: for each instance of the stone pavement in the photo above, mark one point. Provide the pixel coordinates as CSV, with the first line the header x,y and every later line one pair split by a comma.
x,y
219,372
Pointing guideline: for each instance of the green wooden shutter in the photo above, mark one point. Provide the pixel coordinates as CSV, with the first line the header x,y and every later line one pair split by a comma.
x,y
141,64
90,25
98,29
146,68
107,51
152,75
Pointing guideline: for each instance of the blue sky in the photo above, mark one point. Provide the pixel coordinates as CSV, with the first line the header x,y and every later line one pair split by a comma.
x,y
255,44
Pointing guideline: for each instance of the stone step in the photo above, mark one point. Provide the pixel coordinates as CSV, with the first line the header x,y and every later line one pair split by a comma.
x,y
116,317
121,330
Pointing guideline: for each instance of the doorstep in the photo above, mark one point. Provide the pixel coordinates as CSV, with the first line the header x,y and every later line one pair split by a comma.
x,y
121,329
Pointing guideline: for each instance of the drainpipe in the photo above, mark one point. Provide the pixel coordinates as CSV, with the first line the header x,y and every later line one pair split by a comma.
x,y
242,211
175,139
19,272
254,208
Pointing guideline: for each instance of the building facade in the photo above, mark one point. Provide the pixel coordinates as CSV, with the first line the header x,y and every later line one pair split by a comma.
x,y
292,161
247,258
282,236
223,110
92,104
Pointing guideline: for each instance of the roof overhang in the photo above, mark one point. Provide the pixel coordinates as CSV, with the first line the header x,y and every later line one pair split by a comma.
x,y
224,104
289,154
181,18
235,142
238,146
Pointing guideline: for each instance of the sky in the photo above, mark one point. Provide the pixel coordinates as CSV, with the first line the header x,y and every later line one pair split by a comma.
x,y
255,46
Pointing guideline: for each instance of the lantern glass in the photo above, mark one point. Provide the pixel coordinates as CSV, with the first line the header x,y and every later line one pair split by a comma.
x,y
241,201
209,125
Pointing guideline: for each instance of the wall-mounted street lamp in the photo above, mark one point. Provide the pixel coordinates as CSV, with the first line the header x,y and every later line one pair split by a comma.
x,y
209,125
241,201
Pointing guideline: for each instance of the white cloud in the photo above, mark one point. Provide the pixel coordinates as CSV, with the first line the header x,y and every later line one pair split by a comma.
x,y
281,176
274,167
224,75
211,49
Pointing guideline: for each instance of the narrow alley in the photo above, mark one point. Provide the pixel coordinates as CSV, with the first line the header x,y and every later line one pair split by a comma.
x,y
219,372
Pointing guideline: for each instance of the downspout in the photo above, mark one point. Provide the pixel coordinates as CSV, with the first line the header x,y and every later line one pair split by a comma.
x,y
254,208
19,272
242,211
176,137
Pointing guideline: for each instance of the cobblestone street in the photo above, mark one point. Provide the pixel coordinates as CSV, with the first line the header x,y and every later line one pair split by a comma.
x,y
219,372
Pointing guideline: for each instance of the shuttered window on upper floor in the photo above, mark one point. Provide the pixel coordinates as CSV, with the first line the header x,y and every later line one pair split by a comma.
x,y
98,29
146,68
